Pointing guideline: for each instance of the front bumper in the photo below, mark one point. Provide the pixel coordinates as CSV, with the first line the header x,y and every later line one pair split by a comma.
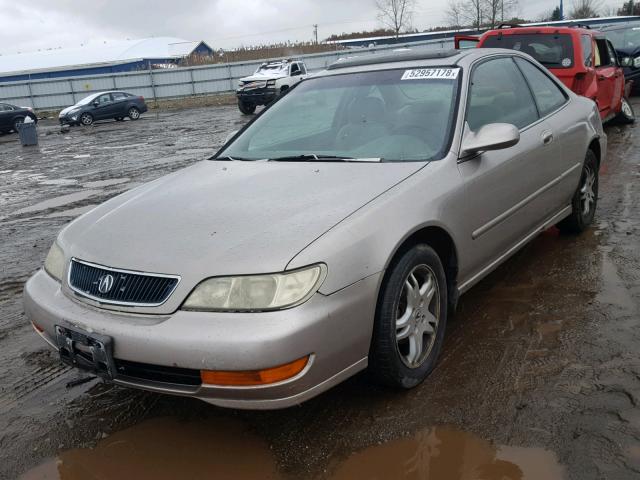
x,y
257,96
334,329
68,119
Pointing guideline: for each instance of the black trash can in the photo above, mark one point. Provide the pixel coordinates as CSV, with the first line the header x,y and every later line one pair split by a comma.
x,y
28,133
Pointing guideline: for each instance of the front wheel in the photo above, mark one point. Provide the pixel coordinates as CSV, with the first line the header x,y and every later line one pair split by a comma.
x,y
410,320
585,198
626,114
134,113
246,107
86,119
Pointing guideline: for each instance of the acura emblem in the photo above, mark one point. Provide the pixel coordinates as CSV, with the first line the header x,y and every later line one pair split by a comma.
x,y
105,283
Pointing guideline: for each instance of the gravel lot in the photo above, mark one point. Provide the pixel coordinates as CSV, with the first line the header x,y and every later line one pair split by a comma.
x,y
539,377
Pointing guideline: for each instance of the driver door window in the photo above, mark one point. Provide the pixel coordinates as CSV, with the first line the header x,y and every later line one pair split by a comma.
x,y
499,94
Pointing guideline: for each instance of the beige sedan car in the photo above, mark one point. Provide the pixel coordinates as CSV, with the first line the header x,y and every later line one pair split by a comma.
x,y
332,234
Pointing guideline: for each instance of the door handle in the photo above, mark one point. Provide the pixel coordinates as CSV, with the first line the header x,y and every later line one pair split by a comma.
x,y
547,138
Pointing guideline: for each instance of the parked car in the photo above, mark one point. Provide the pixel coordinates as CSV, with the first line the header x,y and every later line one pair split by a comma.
x,y
11,117
626,40
333,233
583,59
103,105
269,81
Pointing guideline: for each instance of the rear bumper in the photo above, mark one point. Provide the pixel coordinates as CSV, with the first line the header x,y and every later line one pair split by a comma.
x,y
335,330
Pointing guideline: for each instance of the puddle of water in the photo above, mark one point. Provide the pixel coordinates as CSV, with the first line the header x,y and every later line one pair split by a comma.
x,y
84,155
58,201
120,147
105,183
167,448
613,291
72,212
59,181
448,454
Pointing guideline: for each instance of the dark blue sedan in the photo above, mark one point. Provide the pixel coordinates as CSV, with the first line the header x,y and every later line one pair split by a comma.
x,y
103,105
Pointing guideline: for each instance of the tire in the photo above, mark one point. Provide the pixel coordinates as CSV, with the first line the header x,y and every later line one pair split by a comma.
x,y
246,108
17,122
585,198
133,113
86,119
403,321
119,119
626,115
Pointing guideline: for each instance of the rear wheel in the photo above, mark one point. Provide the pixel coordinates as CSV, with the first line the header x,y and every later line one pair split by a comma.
x,y
134,113
246,107
410,320
86,119
585,199
17,122
626,114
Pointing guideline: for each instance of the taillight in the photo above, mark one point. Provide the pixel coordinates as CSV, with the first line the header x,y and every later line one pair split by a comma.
x,y
579,85
141,98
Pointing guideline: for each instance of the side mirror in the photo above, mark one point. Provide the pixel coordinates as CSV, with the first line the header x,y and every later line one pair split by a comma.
x,y
493,136
96,103
230,136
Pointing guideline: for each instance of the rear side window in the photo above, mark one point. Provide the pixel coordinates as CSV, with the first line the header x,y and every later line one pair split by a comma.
x,y
499,94
119,96
551,50
547,94
587,49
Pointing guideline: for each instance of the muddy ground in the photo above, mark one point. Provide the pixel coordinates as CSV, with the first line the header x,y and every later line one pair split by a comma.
x,y
539,376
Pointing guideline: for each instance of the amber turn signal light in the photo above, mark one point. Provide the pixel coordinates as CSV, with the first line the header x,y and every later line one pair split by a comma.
x,y
245,378
37,327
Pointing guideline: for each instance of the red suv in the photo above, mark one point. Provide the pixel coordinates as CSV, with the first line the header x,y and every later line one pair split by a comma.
x,y
583,59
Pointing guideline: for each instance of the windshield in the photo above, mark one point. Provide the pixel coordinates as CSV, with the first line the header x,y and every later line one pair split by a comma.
x,y
271,69
551,50
628,37
87,100
390,115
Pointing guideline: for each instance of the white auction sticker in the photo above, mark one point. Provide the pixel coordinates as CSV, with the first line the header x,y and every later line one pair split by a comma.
x,y
427,73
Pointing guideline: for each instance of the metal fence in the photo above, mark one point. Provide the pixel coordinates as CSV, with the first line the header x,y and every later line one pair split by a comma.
x,y
167,84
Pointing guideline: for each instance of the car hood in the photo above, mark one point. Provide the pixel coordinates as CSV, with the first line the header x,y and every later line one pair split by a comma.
x,y
68,109
224,218
628,51
262,77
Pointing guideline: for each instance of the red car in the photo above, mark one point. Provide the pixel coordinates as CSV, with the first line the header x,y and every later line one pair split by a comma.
x,y
583,59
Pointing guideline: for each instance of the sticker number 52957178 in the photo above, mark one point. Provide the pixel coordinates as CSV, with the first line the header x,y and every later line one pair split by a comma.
x,y
428,73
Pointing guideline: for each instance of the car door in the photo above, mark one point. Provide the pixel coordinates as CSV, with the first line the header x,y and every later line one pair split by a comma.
x,y
504,203
606,77
103,107
295,73
120,102
5,116
618,87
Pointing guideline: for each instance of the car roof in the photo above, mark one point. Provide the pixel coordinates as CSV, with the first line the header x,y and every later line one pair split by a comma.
x,y
545,30
412,59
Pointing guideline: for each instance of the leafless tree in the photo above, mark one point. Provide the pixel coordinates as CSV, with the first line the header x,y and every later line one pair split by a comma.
x,y
585,9
396,14
479,13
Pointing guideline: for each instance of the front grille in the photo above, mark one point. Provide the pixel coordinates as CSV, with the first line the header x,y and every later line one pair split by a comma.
x,y
157,373
120,287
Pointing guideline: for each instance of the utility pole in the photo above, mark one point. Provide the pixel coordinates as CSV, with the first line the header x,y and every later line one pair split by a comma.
x,y
502,11
561,10
315,32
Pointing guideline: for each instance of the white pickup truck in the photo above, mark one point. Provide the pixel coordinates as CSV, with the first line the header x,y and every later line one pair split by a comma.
x,y
268,82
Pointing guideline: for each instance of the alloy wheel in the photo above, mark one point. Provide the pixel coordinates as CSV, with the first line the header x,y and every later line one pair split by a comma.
x,y
626,108
587,194
134,114
417,316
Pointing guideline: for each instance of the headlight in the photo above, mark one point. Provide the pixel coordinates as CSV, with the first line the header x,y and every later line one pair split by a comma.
x,y
54,263
626,61
274,291
271,83
636,62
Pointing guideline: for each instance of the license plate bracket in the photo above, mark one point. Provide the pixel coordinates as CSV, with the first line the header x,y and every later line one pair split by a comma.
x,y
87,351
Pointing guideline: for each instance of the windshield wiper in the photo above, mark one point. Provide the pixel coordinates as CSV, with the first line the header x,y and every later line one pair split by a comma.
x,y
227,158
311,157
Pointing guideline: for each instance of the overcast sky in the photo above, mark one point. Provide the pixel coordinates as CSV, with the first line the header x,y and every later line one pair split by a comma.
x,y
39,24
